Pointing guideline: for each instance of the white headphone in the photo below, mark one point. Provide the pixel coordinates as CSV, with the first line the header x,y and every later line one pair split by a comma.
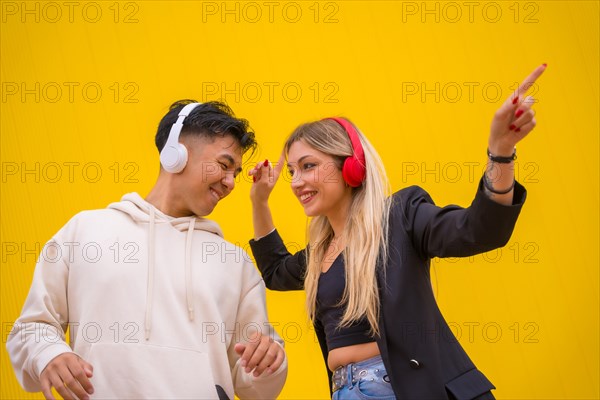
x,y
174,155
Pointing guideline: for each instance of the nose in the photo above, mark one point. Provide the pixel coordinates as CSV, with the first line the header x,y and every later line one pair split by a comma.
x,y
297,181
228,181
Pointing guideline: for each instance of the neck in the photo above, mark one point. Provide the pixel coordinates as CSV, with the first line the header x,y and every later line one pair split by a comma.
x,y
337,219
338,226
163,197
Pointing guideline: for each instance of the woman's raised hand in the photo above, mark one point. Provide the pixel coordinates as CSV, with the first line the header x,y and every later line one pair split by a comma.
x,y
514,119
265,177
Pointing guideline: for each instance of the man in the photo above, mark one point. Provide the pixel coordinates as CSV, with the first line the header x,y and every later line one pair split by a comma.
x,y
157,303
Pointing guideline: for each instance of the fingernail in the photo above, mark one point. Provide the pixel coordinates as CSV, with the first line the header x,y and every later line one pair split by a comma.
x,y
247,370
268,371
545,65
511,127
518,113
266,163
244,363
515,100
518,130
253,179
90,391
256,374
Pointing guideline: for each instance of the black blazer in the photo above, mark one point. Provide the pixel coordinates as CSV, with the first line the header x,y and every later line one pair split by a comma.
x,y
421,355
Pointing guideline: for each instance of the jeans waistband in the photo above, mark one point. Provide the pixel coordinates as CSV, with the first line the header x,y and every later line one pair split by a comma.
x,y
351,373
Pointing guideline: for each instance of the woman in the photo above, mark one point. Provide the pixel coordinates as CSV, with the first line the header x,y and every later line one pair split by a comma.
x,y
366,268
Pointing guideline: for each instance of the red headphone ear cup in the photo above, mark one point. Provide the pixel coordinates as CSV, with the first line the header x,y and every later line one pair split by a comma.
x,y
353,172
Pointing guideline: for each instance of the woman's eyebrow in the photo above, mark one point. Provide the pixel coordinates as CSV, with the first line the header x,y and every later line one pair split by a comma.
x,y
300,159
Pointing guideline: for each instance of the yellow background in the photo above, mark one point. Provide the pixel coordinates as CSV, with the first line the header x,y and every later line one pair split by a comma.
x,y
528,315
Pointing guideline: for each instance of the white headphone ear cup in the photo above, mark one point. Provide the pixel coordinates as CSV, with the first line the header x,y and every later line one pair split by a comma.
x,y
183,157
174,158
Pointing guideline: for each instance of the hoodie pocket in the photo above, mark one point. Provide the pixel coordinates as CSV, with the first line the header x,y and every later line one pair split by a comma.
x,y
142,371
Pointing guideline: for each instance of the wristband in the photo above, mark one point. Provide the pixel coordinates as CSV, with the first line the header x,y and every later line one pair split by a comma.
x,y
489,187
502,160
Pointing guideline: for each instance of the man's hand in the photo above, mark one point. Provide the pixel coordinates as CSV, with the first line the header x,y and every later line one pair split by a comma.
x,y
69,375
261,354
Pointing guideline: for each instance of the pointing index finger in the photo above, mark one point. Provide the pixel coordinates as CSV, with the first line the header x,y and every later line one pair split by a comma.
x,y
280,162
530,80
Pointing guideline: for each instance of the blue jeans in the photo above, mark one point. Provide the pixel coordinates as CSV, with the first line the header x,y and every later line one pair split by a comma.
x,y
367,380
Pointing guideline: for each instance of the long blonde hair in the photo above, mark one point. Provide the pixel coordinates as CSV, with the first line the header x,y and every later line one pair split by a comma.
x,y
365,231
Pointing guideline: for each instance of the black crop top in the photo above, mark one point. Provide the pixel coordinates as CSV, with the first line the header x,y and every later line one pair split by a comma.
x,y
329,313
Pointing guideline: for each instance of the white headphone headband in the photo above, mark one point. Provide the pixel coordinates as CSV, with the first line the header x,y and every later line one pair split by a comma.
x,y
173,156
178,125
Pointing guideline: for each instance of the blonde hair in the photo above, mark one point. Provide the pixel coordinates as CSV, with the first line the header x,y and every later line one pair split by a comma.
x,y
366,227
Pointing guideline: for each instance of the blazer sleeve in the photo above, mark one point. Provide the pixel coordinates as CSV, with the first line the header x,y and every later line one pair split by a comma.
x,y
280,269
453,231
320,332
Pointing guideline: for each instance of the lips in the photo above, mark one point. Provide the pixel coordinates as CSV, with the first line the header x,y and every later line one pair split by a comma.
x,y
307,196
218,196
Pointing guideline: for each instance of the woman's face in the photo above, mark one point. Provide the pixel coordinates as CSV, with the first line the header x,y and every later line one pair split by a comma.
x,y
317,181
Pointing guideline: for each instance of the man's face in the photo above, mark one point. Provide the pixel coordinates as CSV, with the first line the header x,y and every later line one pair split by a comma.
x,y
209,176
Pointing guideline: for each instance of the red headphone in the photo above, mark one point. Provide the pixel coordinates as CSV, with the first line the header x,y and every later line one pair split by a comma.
x,y
354,169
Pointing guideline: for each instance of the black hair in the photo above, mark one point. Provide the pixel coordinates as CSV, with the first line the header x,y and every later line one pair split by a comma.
x,y
211,119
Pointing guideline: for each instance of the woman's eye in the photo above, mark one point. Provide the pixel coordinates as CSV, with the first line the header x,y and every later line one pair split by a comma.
x,y
308,166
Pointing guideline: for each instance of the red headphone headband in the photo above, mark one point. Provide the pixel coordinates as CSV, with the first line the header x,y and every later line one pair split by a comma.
x,y
354,169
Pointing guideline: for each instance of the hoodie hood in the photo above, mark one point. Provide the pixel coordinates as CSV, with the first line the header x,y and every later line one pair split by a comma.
x,y
143,212
140,210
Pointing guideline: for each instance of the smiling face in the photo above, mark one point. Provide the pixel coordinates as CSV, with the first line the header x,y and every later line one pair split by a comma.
x,y
209,176
317,181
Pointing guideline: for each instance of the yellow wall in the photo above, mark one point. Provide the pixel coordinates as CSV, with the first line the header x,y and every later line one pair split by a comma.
x,y
84,85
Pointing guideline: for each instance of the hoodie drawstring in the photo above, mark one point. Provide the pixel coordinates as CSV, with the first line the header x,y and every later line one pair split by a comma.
x,y
189,288
150,287
133,205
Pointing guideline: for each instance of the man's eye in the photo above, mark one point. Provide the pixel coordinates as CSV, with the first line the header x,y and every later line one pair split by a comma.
x,y
223,166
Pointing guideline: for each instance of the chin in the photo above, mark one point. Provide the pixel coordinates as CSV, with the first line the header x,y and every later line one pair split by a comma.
x,y
312,213
203,212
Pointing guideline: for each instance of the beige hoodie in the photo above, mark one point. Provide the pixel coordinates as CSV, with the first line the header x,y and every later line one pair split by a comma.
x,y
154,303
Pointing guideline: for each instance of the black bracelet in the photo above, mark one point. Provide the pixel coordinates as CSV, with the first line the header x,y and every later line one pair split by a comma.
x,y
489,187
502,160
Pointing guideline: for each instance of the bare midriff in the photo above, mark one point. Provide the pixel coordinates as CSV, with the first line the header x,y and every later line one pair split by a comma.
x,y
351,354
